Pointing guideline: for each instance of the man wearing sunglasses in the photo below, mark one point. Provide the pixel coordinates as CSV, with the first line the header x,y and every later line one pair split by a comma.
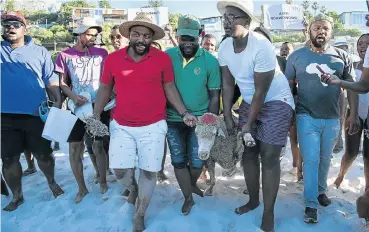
x,y
81,66
197,77
27,71
117,40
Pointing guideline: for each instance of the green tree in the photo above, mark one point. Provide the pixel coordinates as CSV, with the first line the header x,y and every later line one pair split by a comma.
x,y
336,19
25,13
55,28
104,4
9,5
63,36
155,3
42,34
105,36
173,19
323,9
39,17
315,6
353,32
306,5
291,37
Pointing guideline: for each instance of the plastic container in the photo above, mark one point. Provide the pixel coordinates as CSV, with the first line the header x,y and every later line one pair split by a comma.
x,y
84,111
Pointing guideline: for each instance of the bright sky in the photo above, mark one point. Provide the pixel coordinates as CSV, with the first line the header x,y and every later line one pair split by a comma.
x,y
205,8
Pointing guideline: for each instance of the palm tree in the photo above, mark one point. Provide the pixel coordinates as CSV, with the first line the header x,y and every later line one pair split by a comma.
x,y
323,9
315,6
306,6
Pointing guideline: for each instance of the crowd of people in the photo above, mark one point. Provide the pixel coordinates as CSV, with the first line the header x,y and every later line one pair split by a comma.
x,y
160,94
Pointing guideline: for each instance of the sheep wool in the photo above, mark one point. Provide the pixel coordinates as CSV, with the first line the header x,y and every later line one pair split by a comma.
x,y
96,128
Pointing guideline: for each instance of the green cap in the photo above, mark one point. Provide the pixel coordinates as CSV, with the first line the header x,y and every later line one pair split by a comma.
x,y
188,25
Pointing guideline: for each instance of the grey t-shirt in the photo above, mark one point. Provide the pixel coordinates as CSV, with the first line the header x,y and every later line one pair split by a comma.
x,y
314,97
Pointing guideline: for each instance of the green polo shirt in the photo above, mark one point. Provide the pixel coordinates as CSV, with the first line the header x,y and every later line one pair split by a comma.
x,y
194,79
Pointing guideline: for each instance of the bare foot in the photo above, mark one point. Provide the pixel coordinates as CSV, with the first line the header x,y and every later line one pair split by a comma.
x,y
246,208
161,177
29,171
138,224
267,224
110,177
338,181
55,188
196,190
14,204
300,177
80,196
103,188
96,179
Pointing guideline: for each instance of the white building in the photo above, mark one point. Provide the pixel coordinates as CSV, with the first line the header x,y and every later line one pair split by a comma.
x,y
355,19
31,5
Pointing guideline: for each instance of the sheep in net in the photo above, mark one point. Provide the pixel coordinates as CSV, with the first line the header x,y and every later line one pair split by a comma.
x,y
217,146
95,128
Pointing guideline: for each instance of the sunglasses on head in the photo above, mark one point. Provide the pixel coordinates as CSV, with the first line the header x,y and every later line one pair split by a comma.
x,y
115,37
15,24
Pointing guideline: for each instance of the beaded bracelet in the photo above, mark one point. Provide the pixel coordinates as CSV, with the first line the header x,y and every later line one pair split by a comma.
x,y
184,113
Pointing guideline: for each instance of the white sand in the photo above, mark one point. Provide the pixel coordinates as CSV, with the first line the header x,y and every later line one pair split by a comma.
x,y
106,213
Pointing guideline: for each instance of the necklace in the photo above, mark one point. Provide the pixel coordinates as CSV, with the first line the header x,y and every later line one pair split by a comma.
x,y
319,52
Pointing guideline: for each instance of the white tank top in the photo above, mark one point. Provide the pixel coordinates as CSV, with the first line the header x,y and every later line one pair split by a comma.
x,y
363,98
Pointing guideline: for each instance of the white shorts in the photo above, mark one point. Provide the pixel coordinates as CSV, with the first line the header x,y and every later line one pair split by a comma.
x,y
146,144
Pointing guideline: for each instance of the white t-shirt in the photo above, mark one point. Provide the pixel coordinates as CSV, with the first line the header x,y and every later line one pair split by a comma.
x,y
366,59
258,56
363,99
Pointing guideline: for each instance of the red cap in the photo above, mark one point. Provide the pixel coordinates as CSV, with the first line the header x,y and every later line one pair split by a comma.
x,y
16,16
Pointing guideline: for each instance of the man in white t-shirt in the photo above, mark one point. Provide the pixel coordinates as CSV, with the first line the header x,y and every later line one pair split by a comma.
x,y
266,112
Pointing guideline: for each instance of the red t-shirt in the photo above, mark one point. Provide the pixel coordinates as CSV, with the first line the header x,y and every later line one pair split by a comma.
x,y
140,99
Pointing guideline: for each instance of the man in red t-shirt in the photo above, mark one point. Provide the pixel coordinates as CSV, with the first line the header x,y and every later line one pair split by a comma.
x,y
143,78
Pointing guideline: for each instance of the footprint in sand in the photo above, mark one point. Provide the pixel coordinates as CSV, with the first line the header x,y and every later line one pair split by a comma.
x,y
127,209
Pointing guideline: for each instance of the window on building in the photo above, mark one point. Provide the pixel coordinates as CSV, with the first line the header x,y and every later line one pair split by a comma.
x,y
358,19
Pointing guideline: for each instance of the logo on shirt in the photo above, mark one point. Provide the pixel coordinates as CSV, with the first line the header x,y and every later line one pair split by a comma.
x,y
311,69
197,71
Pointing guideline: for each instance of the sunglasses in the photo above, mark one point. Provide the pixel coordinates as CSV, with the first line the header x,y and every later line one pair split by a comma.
x,y
112,37
15,24
231,18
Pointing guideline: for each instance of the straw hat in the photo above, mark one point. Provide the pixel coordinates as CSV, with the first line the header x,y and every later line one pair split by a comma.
x,y
246,6
144,20
87,23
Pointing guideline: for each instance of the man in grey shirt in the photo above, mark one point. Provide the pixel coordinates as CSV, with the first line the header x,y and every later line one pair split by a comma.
x,y
318,109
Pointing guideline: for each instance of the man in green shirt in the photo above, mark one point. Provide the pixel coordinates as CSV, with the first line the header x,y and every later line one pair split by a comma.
x,y
197,77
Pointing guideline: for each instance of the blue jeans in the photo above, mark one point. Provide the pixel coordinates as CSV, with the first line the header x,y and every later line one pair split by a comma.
x,y
183,145
317,138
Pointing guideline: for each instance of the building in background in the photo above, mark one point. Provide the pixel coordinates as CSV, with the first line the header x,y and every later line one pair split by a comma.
x,y
114,16
32,5
214,26
355,19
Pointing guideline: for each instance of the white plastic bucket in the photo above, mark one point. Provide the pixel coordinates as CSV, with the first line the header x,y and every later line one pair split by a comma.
x,y
58,125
